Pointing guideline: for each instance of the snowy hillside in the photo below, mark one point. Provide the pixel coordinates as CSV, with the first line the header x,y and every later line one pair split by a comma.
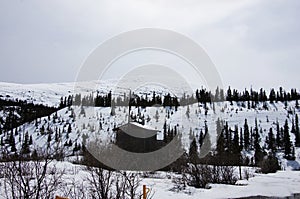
x,y
70,124
72,127
50,94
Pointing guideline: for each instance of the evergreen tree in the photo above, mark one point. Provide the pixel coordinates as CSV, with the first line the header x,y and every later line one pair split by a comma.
x,y
56,136
13,144
235,141
113,109
165,132
222,98
193,152
287,141
278,136
69,128
293,130
226,136
217,95
297,132
201,138
206,146
271,141
188,112
49,138
25,145
246,136
229,95
258,156
220,144
241,139
70,143
220,138
30,140
61,105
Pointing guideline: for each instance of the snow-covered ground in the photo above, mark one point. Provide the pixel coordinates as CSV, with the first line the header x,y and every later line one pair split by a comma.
x,y
280,184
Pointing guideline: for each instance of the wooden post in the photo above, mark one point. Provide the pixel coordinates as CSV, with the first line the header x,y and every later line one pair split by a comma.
x,y
145,191
58,197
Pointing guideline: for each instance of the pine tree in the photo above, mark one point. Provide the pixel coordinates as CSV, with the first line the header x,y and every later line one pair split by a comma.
x,y
188,112
271,141
49,138
297,132
287,141
30,140
229,95
26,138
56,136
193,152
70,143
206,146
201,137
165,132
13,144
293,130
226,136
61,105
258,152
246,136
25,145
278,136
235,141
69,128
220,144
217,95
113,109
220,138
241,140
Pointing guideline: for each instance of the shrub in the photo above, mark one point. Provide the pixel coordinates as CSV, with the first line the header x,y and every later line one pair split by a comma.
x,y
269,164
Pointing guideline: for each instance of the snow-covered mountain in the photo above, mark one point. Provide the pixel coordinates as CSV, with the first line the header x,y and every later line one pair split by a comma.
x,y
71,126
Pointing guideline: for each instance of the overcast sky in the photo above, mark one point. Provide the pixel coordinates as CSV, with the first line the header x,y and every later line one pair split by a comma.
x,y
252,43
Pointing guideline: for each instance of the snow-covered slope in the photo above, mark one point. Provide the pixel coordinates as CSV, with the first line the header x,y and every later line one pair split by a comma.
x,y
70,127
97,122
50,94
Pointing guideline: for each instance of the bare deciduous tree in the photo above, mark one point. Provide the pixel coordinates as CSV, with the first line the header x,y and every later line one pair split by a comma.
x,y
31,178
132,182
105,184
74,190
100,182
200,176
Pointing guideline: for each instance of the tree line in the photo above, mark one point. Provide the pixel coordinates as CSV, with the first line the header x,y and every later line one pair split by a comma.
x,y
18,112
202,96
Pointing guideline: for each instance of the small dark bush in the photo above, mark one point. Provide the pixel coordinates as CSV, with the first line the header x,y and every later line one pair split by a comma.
x,y
269,164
